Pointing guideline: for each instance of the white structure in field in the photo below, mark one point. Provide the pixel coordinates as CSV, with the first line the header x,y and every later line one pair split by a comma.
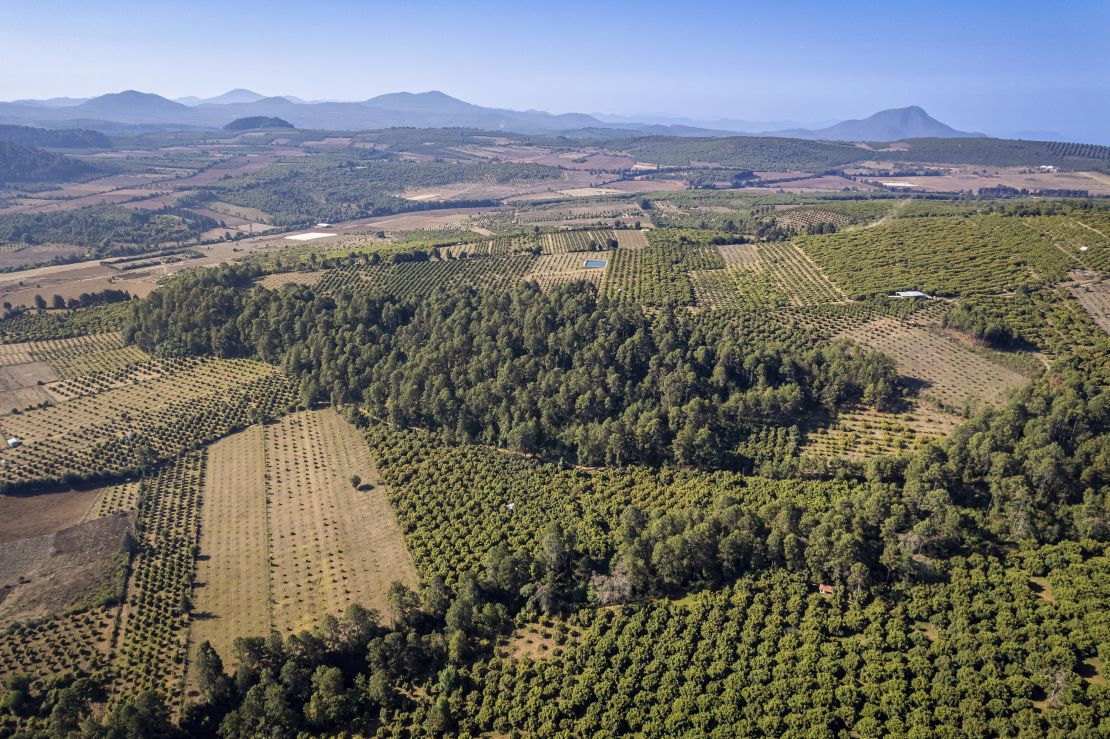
x,y
909,294
13,442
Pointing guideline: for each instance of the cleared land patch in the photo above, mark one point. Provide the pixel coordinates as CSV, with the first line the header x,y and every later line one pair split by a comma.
x,y
951,373
331,545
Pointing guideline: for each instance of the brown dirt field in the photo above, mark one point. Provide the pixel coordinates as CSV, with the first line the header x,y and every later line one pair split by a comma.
x,y
830,183
41,513
440,218
330,545
80,563
949,371
647,185
1095,299
232,593
631,239
40,254
31,374
23,398
962,178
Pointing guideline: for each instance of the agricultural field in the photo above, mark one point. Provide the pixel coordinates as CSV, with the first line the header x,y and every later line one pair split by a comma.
x,y
942,256
331,543
1095,299
231,596
113,425
551,269
863,434
945,369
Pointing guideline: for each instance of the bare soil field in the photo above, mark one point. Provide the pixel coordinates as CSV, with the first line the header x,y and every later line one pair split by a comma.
x,y
80,564
38,254
554,269
1095,299
948,371
962,179
232,590
645,185
631,239
330,544
43,513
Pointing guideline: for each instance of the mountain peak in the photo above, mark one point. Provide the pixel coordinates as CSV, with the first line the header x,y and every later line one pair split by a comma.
x,y
893,124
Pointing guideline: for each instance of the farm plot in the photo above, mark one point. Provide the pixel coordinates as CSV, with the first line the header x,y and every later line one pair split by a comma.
x,y
280,280
154,626
715,289
415,280
631,239
554,269
75,643
1089,245
331,544
74,356
740,256
803,218
130,426
951,374
860,434
797,276
74,568
1095,299
561,242
942,255
232,594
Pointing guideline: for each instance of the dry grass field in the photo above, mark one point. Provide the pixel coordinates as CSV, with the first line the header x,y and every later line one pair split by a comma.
x,y
331,545
232,591
43,513
631,239
949,371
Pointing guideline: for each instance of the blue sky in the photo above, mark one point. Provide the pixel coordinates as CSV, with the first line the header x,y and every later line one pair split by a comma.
x,y
998,67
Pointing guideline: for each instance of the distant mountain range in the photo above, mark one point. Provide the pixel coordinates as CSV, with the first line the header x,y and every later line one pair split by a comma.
x,y
145,111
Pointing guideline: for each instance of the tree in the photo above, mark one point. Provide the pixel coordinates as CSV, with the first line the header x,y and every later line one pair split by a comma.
x,y
356,481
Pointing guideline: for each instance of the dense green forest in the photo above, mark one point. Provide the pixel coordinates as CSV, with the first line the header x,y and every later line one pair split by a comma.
x,y
107,230
336,189
564,372
64,138
20,163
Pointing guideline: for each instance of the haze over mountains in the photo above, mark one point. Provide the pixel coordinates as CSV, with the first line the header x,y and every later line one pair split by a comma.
x,y
431,110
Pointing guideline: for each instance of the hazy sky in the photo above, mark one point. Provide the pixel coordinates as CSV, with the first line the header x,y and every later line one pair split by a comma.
x,y
997,67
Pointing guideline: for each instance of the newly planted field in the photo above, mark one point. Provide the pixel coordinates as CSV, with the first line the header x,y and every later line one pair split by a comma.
x,y
1086,243
153,640
128,427
331,544
232,595
561,242
740,256
944,256
631,238
949,372
864,433
76,356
